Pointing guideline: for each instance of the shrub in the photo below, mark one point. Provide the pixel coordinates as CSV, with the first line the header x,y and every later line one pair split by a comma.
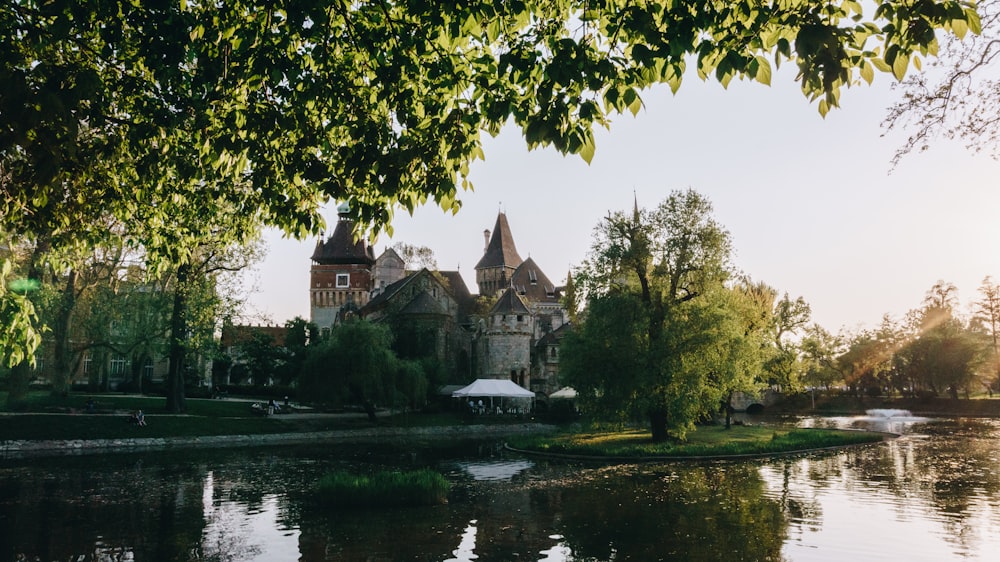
x,y
383,489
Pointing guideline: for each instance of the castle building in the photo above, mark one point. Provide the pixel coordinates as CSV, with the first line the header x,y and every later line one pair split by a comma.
x,y
342,278
431,313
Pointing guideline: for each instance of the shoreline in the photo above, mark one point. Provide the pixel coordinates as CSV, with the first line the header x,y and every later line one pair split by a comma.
x,y
14,449
886,436
801,405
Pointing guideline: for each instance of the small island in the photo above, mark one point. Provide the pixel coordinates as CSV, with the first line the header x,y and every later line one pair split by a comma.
x,y
710,442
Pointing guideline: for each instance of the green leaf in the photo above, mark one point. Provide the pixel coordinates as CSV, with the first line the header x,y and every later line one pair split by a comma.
x,y
880,64
763,70
635,105
587,151
867,72
899,66
975,25
959,28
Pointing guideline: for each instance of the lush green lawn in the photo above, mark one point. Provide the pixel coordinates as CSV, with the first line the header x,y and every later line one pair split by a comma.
x,y
57,417
44,402
706,441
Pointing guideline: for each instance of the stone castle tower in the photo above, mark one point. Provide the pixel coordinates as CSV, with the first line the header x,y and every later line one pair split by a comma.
x,y
505,340
500,259
341,277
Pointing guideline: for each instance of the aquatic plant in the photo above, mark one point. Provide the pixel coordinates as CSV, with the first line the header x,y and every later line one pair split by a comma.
x,y
382,489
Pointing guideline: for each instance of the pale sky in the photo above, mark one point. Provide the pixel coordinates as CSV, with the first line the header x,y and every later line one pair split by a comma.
x,y
810,202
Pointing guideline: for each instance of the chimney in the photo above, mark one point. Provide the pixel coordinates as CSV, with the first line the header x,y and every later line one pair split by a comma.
x,y
486,240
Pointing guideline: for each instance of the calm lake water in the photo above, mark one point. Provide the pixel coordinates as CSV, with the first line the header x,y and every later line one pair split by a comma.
x,y
934,495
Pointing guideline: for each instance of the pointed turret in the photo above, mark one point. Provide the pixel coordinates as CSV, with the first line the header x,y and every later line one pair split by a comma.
x,y
341,247
341,274
495,268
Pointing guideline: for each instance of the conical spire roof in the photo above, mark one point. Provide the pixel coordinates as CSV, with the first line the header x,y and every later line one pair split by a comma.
x,y
501,250
509,303
341,247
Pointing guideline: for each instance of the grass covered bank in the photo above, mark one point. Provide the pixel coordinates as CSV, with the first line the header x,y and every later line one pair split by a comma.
x,y
60,418
709,441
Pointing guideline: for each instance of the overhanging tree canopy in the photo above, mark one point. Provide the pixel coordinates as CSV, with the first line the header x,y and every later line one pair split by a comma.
x,y
109,106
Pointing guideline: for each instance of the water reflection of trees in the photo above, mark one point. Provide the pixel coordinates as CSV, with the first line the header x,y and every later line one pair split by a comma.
x,y
945,471
716,512
126,510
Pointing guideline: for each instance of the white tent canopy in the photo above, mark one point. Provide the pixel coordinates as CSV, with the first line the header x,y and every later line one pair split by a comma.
x,y
500,388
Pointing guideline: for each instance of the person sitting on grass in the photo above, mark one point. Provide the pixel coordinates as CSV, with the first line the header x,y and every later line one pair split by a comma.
x,y
137,418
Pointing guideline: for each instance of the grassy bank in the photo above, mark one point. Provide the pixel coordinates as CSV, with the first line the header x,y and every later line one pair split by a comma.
x,y
383,489
705,442
62,418
839,404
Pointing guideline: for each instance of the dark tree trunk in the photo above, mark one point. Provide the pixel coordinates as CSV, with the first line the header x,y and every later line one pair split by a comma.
x,y
729,410
658,426
61,352
17,384
178,344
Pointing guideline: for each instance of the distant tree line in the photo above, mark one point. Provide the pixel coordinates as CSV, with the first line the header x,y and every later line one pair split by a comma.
x,y
668,330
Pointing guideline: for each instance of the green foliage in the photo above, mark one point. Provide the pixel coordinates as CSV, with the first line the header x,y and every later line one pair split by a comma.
x,y
820,350
932,353
300,335
662,337
356,365
21,332
944,358
262,356
194,121
382,489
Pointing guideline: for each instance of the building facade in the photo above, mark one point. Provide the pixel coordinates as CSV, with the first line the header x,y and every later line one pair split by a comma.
x,y
342,276
433,314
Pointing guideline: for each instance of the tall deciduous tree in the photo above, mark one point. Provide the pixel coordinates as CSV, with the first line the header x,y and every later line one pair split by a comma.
x,y
653,282
301,335
987,311
785,366
820,350
197,304
867,362
943,354
123,108
356,365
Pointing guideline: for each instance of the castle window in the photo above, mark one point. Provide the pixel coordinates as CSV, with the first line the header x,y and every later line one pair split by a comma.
x,y
533,277
520,318
343,280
